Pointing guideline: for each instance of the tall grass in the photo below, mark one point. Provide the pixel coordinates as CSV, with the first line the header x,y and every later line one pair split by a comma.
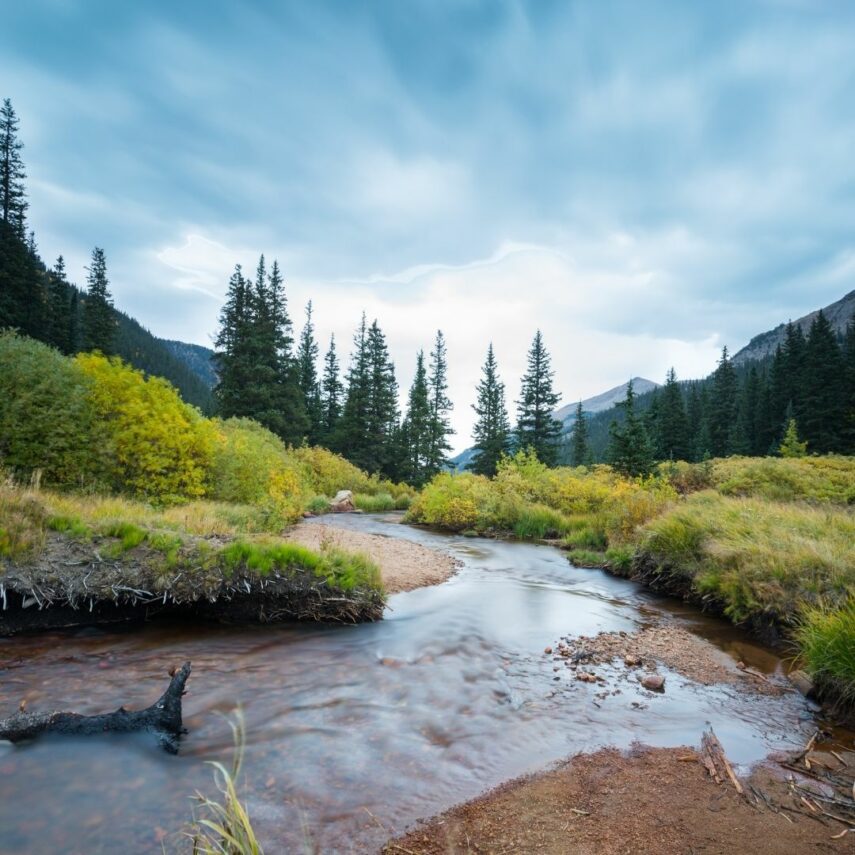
x,y
827,641
374,504
221,824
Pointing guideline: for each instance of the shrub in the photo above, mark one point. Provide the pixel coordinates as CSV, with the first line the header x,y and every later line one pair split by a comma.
x,y
158,446
47,421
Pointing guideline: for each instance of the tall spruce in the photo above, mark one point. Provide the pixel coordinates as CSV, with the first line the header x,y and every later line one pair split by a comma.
x,y
99,320
492,431
331,397
232,349
13,198
537,428
382,410
580,449
630,451
440,407
307,367
722,411
823,402
415,429
352,436
58,332
672,424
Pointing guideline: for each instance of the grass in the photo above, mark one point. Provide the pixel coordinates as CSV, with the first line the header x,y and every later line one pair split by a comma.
x,y
377,503
221,824
22,521
827,641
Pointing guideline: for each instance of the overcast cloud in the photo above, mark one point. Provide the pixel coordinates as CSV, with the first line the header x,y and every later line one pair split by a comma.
x,y
645,181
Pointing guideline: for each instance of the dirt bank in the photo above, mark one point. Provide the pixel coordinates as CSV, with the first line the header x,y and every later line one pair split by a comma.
x,y
403,565
647,801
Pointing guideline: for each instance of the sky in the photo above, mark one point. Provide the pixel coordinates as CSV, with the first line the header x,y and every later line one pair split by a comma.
x,y
643,181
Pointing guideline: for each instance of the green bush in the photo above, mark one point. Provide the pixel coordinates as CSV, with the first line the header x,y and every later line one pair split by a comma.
x,y
48,423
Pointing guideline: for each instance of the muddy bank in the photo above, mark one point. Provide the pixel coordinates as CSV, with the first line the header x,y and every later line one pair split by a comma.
x,y
78,583
645,801
404,565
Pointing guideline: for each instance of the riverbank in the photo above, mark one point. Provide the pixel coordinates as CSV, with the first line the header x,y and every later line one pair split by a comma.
x,y
647,800
404,565
767,542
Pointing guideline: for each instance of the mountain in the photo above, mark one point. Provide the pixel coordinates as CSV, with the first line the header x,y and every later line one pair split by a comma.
x,y
838,314
567,414
603,401
199,359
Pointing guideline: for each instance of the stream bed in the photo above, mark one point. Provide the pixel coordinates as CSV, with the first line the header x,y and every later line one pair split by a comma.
x,y
353,733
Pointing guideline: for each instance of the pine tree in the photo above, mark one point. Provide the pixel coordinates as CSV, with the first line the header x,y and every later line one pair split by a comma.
x,y
307,360
580,451
792,446
630,451
536,426
99,321
672,424
440,407
382,411
59,308
232,349
415,429
331,397
354,418
847,444
722,411
13,202
822,414
492,431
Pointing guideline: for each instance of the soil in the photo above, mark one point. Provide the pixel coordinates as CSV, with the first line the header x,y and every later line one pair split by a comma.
x,y
404,565
672,646
650,800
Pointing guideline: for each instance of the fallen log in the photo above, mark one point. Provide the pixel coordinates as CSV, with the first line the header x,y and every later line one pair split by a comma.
x,y
163,718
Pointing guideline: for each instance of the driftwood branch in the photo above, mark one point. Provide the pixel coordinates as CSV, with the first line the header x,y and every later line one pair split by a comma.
x,y
162,718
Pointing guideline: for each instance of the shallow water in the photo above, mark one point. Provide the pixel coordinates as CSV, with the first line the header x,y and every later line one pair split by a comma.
x,y
355,732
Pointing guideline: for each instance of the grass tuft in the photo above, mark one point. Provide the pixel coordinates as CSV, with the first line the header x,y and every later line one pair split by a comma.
x,y
827,641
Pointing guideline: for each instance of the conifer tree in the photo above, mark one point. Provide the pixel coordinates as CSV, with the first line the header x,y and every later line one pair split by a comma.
x,y
492,431
791,445
331,397
580,451
354,417
307,359
415,429
382,422
823,401
722,411
672,424
232,349
13,201
440,407
58,332
536,426
847,445
630,451
99,321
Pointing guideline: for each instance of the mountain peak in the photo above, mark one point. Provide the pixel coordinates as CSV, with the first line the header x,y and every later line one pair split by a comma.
x,y
605,400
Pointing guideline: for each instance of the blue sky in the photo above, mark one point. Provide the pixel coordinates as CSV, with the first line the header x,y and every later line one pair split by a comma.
x,y
646,181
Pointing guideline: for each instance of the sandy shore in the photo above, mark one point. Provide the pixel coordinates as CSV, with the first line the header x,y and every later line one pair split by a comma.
x,y
650,800
403,564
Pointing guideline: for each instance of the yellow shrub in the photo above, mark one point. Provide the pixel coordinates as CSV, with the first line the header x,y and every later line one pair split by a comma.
x,y
157,446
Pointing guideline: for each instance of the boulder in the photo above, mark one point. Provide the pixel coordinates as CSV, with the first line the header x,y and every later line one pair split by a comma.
x,y
802,682
342,503
654,682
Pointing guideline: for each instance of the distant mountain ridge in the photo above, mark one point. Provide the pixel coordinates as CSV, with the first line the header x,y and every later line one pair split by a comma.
x,y
838,314
199,359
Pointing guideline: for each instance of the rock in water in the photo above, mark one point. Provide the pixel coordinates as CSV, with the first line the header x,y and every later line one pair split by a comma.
x,y
802,682
654,682
342,503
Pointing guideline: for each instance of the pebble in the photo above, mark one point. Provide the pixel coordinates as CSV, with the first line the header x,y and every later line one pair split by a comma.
x,y
547,650
653,682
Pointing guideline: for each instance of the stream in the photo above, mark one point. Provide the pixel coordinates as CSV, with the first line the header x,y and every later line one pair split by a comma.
x,y
353,733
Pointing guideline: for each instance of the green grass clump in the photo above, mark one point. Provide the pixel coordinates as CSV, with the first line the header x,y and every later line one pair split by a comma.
x,y
71,525
374,504
619,559
318,505
827,641
585,537
586,558
340,569
130,536
537,522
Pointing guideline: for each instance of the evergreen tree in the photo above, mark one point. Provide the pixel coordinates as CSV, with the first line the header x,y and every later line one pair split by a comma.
x,y
382,422
536,426
672,424
440,407
232,349
722,412
331,396
13,201
59,308
580,451
99,322
630,451
307,359
354,418
492,431
792,446
415,429
847,444
822,414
